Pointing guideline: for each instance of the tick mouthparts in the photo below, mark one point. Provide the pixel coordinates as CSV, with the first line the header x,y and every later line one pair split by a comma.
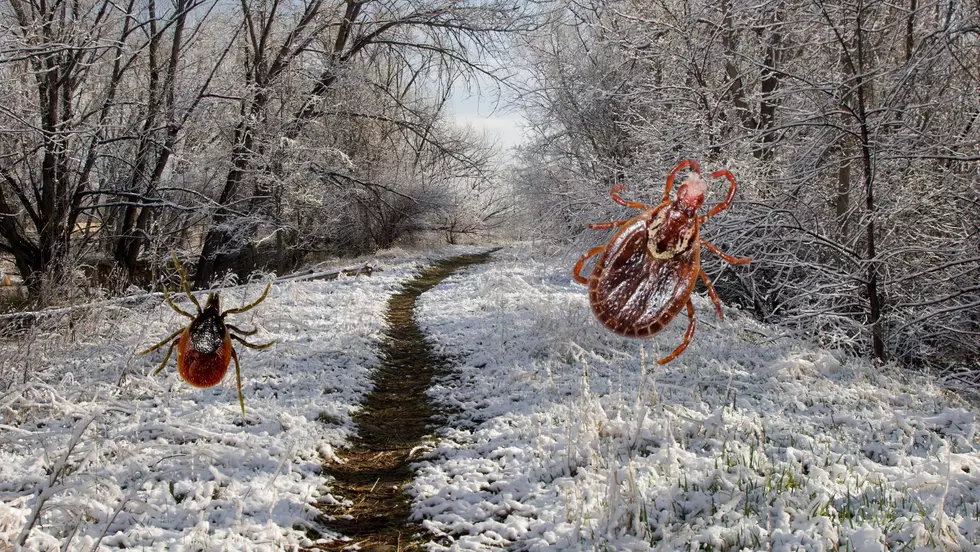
x,y
692,190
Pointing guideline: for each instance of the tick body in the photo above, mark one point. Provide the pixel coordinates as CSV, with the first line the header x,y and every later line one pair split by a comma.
x,y
645,274
204,348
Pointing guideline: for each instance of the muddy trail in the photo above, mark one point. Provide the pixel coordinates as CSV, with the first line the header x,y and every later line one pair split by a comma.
x,y
396,416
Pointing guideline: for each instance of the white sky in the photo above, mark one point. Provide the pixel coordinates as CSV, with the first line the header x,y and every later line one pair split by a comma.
x,y
480,109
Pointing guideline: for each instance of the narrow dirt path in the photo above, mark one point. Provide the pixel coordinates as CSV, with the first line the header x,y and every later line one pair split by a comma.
x,y
395,418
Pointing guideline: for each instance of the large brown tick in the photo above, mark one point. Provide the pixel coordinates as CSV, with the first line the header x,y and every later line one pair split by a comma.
x,y
204,346
647,271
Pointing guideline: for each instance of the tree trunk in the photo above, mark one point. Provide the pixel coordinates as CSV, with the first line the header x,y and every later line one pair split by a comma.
x,y
843,198
219,250
222,245
864,91
877,329
770,86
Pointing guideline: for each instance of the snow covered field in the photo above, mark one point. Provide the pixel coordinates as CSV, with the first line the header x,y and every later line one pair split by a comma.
x,y
565,436
560,435
117,458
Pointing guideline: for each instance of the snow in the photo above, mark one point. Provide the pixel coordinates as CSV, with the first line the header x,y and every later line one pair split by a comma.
x,y
561,435
556,435
151,462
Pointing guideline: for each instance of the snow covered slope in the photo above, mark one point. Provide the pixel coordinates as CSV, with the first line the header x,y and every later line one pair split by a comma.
x,y
563,436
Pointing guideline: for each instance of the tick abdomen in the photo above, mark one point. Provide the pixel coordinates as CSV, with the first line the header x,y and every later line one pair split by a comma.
x,y
202,369
634,295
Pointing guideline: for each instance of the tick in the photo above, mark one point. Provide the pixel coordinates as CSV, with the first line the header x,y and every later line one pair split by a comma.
x,y
645,274
204,347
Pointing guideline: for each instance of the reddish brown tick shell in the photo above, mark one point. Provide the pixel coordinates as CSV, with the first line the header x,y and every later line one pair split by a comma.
x,y
202,369
634,294
646,273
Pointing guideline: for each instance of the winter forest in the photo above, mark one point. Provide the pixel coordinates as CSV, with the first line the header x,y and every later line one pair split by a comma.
x,y
319,144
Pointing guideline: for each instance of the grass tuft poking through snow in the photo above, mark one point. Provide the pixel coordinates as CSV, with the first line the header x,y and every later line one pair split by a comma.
x,y
563,436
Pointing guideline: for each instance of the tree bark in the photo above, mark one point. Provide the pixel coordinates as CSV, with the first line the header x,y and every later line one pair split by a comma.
x,y
872,285
842,200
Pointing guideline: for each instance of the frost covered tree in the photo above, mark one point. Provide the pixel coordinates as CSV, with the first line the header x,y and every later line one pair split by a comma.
x,y
355,63
852,127
95,94
247,139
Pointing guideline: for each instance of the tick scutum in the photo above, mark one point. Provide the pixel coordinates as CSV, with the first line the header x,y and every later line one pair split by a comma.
x,y
207,332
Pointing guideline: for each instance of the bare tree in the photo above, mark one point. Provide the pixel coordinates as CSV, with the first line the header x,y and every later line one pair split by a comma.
x,y
164,115
449,36
851,128
93,115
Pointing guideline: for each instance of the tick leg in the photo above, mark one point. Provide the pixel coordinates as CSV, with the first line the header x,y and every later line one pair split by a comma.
x,y
183,282
687,336
178,310
162,343
170,351
577,271
614,192
253,345
252,304
238,381
711,292
607,225
253,331
731,193
728,258
680,166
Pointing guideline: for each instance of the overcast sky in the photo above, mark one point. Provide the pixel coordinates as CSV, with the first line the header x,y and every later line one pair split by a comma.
x,y
478,108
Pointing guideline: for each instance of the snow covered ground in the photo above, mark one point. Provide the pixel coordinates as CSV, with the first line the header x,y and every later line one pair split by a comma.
x,y
564,436
114,457
560,435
